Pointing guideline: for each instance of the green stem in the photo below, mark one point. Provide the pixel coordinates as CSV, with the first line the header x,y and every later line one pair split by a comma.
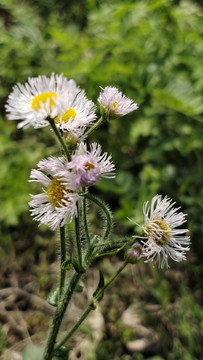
x,y
75,327
85,222
58,317
91,306
95,126
59,137
107,212
63,258
100,292
77,236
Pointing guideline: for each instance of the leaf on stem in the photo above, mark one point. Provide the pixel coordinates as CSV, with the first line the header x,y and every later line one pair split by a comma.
x,y
52,298
67,265
111,252
99,287
79,268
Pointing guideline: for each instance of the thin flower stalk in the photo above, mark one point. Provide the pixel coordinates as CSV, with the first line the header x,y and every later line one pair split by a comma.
x,y
91,306
58,317
62,260
59,137
105,209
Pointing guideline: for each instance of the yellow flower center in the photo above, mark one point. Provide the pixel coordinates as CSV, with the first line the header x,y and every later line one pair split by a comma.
x,y
55,192
42,98
115,104
71,113
161,231
89,166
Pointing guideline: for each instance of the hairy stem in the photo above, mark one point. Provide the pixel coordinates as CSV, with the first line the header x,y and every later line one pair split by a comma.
x,y
58,317
91,306
75,327
95,126
107,212
62,259
77,236
85,221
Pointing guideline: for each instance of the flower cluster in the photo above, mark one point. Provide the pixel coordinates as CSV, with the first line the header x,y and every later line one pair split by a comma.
x,y
64,182
60,103
61,99
56,99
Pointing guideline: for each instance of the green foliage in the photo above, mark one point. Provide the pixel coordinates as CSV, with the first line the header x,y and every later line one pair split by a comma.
x,y
16,159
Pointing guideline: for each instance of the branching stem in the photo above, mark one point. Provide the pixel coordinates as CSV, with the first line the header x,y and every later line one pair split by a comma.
x,y
95,126
91,306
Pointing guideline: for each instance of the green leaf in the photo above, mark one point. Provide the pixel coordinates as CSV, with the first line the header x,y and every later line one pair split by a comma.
x,y
52,298
67,265
111,252
99,287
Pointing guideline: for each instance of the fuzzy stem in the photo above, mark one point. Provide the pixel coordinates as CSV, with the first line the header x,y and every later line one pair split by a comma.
x,y
77,236
91,306
105,210
62,259
58,317
59,137
75,327
85,222
95,126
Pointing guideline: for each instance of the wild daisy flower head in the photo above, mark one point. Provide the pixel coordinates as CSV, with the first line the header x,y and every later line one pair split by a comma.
x,y
114,103
163,237
89,165
77,112
43,97
56,205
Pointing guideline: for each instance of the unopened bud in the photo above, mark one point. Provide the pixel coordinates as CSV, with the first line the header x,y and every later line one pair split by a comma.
x,y
70,140
134,254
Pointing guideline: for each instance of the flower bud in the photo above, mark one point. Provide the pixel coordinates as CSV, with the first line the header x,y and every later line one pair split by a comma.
x,y
134,254
70,140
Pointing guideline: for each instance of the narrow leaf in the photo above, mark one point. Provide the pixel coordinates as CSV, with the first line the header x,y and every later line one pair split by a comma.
x,y
111,252
99,287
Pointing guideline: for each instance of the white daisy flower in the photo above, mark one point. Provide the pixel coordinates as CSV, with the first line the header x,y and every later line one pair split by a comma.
x,y
39,98
114,103
56,205
76,114
89,166
164,237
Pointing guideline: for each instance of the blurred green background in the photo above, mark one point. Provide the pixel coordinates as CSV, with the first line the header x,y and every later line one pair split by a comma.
x,y
153,52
